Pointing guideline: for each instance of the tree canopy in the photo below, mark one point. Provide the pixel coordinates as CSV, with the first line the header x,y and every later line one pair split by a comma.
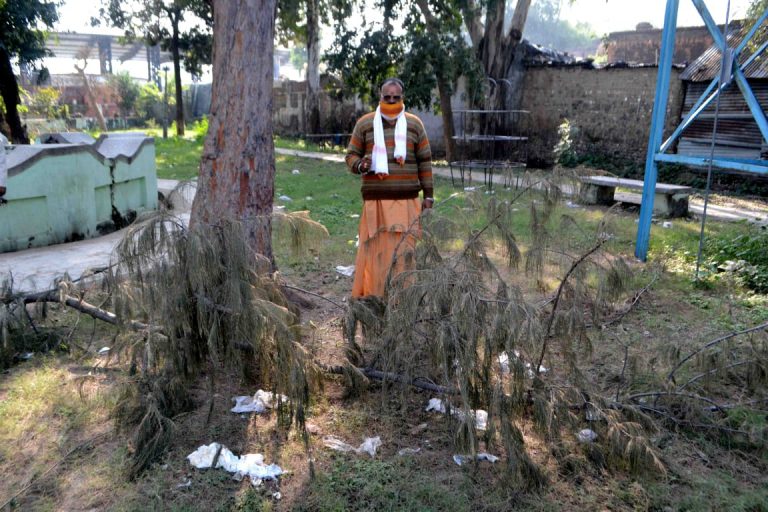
x,y
22,38
183,27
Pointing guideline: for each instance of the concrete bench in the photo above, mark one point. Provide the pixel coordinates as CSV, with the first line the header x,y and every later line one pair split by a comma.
x,y
670,200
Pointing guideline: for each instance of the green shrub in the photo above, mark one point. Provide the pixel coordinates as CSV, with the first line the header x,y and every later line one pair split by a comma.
x,y
745,255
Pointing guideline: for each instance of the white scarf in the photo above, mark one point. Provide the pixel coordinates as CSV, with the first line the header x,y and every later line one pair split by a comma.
x,y
380,165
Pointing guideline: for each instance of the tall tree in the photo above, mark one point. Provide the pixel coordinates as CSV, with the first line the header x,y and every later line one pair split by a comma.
x,y
299,22
160,21
21,38
237,169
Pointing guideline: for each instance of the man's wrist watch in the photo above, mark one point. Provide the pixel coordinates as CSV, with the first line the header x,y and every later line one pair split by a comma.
x,y
430,199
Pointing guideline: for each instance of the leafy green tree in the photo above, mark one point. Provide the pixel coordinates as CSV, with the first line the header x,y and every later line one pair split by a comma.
x,y
21,38
128,90
160,21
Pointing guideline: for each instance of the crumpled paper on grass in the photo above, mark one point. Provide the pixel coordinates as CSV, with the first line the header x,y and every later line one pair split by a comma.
x,y
369,445
258,403
250,464
347,271
481,416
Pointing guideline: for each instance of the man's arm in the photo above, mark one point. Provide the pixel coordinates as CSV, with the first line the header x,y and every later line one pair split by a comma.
x,y
357,161
424,160
3,165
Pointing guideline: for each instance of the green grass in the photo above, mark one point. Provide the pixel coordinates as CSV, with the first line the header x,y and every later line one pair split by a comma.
x,y
361,484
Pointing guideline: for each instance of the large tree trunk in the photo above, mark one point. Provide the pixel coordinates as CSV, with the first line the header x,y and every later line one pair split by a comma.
x,y
9,90
237,170
313,68
177,73
495,50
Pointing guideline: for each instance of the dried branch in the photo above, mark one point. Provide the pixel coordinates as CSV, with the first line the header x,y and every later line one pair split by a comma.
x,y
551,318
712,343
632,304
710,372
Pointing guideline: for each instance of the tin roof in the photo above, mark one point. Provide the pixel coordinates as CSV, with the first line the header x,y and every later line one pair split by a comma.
x,y
707,66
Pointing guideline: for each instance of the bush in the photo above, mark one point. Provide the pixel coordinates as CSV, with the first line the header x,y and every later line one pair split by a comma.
x,y
745,255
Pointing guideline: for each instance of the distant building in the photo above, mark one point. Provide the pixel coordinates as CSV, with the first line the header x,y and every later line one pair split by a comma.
x,y
642,45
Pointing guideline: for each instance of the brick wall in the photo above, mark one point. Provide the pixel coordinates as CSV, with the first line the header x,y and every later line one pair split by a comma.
x,y
609,110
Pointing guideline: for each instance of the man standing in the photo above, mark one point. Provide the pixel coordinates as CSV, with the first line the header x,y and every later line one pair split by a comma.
x,y
390,150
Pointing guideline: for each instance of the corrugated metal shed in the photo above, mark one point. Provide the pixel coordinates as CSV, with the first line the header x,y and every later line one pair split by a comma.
x,y
707,67
737,133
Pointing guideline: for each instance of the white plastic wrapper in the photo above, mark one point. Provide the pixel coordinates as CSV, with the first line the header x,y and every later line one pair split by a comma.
x,y
258,403
463,459
348,271
369,445
481,416
586,436
250,464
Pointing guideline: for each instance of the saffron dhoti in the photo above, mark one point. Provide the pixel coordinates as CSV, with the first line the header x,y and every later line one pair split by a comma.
x,y
386,226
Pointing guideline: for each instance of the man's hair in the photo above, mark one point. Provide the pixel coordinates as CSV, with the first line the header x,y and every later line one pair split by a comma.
x,y
393,80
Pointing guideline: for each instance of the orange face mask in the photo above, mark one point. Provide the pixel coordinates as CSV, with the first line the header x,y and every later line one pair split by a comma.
x,y
391,109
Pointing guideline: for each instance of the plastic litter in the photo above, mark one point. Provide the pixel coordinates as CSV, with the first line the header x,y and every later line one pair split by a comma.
x,y
469,189
285,198
463,459
104,351
369,445
345,271
26,356
408,451
250,464
666,224
188,483
295,171
571,204
586,436
480,416
309,198
529,373
258,403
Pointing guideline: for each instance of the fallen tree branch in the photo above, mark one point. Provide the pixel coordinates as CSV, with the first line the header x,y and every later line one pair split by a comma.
x,y
712,343
710,372
551,319
692,396
375,374
313,294
88,309
631,305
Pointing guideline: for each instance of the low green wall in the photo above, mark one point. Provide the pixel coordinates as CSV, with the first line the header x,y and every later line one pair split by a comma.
x,y
63,192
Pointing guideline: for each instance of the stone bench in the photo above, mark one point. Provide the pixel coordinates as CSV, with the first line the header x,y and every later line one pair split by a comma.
x,y
670,200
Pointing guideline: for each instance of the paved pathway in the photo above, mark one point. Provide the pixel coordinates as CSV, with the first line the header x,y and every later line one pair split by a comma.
x,y
36,269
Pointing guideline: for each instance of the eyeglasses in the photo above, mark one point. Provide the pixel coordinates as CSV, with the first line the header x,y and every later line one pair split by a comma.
x,y
389,97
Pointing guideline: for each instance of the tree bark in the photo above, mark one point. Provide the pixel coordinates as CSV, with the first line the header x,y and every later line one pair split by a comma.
x,y
313,68
9,89
237,170
175,15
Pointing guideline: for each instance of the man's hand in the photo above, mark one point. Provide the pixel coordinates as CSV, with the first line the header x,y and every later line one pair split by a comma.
x,y
427,203
2,191
364,167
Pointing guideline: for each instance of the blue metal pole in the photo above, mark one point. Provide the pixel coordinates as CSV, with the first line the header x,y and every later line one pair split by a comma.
x,y
752,103
717,36
751,33
657,128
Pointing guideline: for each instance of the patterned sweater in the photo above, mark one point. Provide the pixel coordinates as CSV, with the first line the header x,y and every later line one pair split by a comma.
x,y
402,182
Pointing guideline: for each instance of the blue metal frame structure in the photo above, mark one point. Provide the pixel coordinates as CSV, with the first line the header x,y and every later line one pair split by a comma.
x,y
657,149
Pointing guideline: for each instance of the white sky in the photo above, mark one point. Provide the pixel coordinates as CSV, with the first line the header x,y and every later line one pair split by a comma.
x,y
604,15
618,15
